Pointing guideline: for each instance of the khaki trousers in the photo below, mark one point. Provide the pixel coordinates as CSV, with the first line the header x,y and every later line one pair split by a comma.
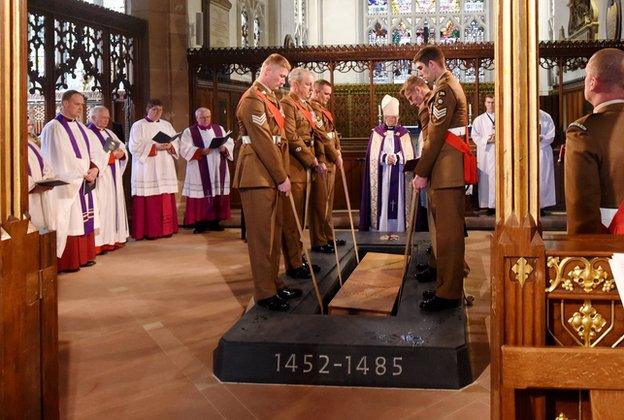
x,y
263,216
448,208
292,247
432,230
321,206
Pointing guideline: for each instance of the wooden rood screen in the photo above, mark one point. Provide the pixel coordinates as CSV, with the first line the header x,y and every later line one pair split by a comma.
x,y
104,50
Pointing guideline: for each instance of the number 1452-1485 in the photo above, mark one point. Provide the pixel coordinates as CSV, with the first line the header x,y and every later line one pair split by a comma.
x,y
349,365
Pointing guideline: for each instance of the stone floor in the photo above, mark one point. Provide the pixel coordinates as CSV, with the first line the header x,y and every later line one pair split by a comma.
x,y
137,331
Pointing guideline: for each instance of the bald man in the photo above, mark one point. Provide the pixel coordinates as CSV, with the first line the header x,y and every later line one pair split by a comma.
x,y
594,157
207,180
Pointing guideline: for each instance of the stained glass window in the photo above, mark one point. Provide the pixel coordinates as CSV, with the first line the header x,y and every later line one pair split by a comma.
x,y
244,28
378,34
449,6
116,5
377,7
419,22
425,6
256,31
401,6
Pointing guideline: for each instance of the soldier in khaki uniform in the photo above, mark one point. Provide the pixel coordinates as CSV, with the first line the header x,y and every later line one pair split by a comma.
x,y
440,168
299,125
260,176
594,157
323,188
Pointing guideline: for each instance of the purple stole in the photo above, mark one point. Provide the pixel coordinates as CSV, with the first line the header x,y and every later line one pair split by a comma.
x,y
85,203
396,171
99,135
39,158
198,141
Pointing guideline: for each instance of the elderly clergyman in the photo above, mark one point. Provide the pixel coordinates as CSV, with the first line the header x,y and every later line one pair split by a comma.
x,y
207,180
113,232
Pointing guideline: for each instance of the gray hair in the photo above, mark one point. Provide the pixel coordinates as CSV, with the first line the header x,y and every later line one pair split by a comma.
x,y
96,110
201,108
297,74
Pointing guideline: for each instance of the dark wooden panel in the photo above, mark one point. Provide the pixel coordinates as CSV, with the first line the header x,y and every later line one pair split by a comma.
x,y
20,381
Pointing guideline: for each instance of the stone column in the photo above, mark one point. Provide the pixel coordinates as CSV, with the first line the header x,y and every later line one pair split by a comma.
x,y
168,41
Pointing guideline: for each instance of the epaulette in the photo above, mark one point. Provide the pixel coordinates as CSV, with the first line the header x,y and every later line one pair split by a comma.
x,y
577,125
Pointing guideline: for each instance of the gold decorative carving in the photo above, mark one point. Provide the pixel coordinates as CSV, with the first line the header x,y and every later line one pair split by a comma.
x,y
587,322
561,416
522,269
586,274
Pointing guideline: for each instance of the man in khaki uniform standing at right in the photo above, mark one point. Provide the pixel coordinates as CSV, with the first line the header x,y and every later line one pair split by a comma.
x,y
260,177
441,169
594,157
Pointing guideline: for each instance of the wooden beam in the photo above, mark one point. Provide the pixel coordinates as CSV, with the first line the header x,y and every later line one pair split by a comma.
x,y
562,368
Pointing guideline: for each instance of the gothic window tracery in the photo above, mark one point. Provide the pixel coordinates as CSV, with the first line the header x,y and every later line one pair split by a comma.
x,y
252,24
401,22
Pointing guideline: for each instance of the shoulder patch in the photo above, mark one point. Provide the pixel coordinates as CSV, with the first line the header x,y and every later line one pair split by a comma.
x,y
576,125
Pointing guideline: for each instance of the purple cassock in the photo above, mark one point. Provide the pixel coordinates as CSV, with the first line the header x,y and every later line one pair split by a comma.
x,y
373,204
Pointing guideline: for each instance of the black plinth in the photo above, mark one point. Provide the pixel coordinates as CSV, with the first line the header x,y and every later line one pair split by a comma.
x,y
410,349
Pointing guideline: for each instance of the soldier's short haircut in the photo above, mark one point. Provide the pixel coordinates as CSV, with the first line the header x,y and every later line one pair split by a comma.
x,y
430,53
411,83
607,65
297,74
69,93
489,95
320,83
153,102
278,60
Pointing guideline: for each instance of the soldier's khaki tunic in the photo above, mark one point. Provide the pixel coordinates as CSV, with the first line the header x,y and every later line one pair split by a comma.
x,y
301,148
444,166
423,121
261,166
594,167
323,187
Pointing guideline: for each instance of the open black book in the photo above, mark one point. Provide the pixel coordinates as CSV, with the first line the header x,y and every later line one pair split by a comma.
x,y
163,138
51,183
219,141
110,144
88,187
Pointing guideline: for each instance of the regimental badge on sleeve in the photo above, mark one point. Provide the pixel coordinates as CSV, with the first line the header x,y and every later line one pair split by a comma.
x,y
259,119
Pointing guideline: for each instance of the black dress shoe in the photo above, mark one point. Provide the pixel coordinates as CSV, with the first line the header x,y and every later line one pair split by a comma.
x,y
339,242
300,272
89,263
437,304
289,293
315,267
428,294
324,249
274,303
199,230
427,275
490,212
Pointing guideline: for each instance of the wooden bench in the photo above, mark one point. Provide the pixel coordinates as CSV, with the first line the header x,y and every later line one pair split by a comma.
x,y
372,288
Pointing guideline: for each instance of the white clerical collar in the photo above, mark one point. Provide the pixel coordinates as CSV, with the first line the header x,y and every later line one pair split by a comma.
x,y
598,107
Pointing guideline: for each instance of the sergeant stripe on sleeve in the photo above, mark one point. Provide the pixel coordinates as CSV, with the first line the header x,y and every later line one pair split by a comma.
x,y
258,119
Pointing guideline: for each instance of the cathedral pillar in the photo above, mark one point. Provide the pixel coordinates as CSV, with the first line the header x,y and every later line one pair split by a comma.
x,y
168,42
